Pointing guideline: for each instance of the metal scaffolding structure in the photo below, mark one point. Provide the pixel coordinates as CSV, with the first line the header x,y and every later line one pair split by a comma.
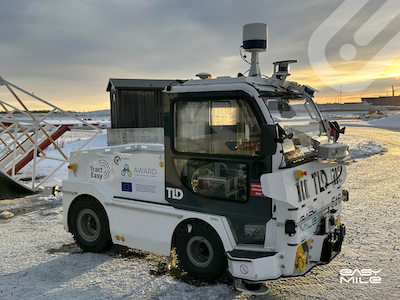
x,y
24,138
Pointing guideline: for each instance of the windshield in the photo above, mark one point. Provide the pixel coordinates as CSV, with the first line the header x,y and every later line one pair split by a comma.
x,y
301,128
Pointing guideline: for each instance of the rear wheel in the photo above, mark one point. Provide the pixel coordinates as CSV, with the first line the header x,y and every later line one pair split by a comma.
x,y
89,225
200,251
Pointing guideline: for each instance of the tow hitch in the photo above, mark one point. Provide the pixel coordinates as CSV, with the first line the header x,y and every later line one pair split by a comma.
x,y
333,242
257,289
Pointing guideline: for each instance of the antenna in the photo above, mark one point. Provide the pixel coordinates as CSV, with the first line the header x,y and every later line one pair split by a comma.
x,y
255,39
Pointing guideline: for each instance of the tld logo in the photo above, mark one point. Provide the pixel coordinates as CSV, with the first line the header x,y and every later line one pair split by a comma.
x,y
174,193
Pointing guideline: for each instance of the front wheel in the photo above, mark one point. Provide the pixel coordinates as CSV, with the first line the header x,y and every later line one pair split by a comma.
x,y
200,251
89,225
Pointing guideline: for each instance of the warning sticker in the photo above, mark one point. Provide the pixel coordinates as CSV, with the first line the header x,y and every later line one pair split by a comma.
x,y
256,190
244,269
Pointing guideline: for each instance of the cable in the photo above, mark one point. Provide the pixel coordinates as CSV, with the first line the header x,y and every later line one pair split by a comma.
x,y
335,179
243,56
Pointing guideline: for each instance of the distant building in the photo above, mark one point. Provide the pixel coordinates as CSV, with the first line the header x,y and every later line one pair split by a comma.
x,y
383,101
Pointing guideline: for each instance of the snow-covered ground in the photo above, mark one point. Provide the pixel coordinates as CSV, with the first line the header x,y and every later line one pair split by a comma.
x,y
38,259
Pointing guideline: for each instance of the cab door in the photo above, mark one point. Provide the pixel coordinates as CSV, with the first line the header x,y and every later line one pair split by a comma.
x,y
213,158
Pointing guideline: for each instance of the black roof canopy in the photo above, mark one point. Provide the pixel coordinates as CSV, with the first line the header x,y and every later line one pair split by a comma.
x,y
138,84
137,103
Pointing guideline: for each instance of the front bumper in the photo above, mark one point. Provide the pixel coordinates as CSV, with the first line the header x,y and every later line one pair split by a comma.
x,y
269,266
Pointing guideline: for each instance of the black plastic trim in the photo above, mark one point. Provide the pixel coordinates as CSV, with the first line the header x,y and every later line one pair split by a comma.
x,y
250,254
144,201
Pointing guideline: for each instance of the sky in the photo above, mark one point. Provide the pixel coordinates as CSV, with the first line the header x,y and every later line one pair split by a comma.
x,y
65,51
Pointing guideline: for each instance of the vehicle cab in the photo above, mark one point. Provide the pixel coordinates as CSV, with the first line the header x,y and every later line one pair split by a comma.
x,y
257,151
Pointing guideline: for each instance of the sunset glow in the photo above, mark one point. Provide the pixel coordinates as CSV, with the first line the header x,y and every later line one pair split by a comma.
x,y
65,53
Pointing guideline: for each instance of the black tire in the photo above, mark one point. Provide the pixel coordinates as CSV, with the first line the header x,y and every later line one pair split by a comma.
x,y
200,251
89,225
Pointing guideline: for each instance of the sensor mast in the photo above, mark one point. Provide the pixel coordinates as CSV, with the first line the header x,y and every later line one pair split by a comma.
x,y
255,39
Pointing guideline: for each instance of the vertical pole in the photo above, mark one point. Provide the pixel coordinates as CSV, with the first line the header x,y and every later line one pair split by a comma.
x,y
14,150
34,157
255,68
393,102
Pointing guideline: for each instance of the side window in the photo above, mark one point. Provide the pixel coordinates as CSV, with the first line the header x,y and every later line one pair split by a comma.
x,y
216,127
214,179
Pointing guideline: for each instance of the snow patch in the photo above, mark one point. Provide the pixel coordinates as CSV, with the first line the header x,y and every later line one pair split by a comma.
x,y
392,121
6,215
362,148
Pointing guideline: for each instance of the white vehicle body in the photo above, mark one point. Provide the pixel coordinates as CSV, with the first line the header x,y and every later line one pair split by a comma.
x,y
273,199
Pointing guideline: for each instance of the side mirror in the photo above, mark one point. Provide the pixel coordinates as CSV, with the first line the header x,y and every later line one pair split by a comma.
x,y
285,110
268,139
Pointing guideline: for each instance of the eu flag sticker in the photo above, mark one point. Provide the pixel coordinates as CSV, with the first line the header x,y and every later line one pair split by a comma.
x,y
126,186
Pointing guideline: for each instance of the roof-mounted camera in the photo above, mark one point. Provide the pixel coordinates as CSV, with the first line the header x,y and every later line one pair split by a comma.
x,y
282,68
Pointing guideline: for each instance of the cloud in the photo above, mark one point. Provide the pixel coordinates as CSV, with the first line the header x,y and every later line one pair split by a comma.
x,y
67,50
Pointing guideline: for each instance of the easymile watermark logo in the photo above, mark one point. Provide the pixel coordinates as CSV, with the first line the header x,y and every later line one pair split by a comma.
x,y
356,45
357,276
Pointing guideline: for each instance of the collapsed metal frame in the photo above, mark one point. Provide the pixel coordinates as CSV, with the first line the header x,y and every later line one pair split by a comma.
x,y
22,139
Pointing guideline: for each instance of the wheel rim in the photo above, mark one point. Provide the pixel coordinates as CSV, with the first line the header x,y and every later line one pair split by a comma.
x,y
199,251
88,225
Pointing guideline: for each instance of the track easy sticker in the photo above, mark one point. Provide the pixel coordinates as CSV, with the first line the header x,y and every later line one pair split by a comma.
x,y
99,169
